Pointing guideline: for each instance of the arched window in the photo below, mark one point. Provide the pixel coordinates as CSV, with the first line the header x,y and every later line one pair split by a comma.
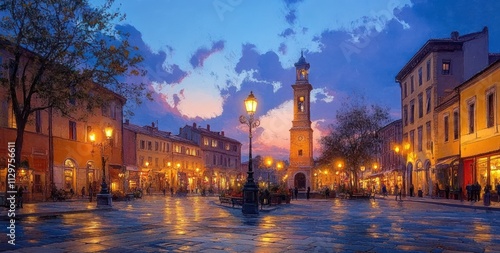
x,y
69,170
300,104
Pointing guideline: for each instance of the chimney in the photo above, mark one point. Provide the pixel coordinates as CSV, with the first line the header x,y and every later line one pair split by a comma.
x,y
127,121
153,124
454,35
208,127
194,124
222,133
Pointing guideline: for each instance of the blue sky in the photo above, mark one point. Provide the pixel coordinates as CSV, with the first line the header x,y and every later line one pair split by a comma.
x,y
203,57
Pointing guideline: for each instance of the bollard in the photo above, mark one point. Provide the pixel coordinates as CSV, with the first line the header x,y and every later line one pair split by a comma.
x,y
487,198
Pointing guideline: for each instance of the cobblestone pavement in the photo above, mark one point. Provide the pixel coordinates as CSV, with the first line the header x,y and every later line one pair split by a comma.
x,y
200,224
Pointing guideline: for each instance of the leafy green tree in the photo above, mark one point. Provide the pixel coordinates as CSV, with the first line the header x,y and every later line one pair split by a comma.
x,y
353,137
57,51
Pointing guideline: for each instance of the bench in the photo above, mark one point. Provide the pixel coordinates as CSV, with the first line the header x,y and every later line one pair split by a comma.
x,y
226,200
231,200
361,196
237,201
129,196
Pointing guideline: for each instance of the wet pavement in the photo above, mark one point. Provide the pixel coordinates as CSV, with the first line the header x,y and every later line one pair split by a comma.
x,y
200,224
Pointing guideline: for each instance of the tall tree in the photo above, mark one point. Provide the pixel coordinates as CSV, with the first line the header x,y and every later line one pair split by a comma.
x,y
353,137
57,51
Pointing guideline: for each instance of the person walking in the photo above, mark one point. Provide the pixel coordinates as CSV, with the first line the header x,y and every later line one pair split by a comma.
x,y
91,192
478,191
468,189
397,191
308,192
384,190
296,192
83,192
437,190
498,191
412,190
20,192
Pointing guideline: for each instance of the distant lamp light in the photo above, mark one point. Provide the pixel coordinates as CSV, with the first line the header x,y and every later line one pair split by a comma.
x,y
396,149
269,162
407,146
108,131
279,165
92,137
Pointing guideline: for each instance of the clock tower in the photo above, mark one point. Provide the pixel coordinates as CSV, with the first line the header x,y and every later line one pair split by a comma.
x,y
301,133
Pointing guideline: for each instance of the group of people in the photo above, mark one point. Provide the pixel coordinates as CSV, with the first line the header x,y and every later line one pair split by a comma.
x,y
295,192
473,191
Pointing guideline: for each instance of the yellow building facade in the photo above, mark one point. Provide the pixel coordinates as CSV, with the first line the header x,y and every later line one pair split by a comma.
x,y
480,127
447,172
436,69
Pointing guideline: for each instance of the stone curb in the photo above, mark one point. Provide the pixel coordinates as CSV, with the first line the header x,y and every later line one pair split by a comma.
x,y
56,213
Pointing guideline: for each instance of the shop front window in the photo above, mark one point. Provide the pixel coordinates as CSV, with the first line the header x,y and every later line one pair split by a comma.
x,y
482,172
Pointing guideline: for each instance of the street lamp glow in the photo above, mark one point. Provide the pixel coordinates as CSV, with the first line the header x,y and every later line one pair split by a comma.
x,y
251,104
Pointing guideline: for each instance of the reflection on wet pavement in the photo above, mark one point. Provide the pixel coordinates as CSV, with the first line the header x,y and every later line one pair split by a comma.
x,y
199,223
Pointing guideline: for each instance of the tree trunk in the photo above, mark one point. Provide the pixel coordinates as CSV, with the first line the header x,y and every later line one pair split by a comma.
x,y
21,125
19,142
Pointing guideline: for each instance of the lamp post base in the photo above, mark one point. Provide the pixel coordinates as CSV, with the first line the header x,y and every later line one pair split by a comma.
x,y
250,198
104,200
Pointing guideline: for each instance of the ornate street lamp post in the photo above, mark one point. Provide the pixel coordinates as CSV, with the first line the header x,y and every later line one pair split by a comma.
x,y
363,168
250,189
403,151
104,197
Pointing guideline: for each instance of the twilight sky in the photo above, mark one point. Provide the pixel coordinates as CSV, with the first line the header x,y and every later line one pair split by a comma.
x,y
203,57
